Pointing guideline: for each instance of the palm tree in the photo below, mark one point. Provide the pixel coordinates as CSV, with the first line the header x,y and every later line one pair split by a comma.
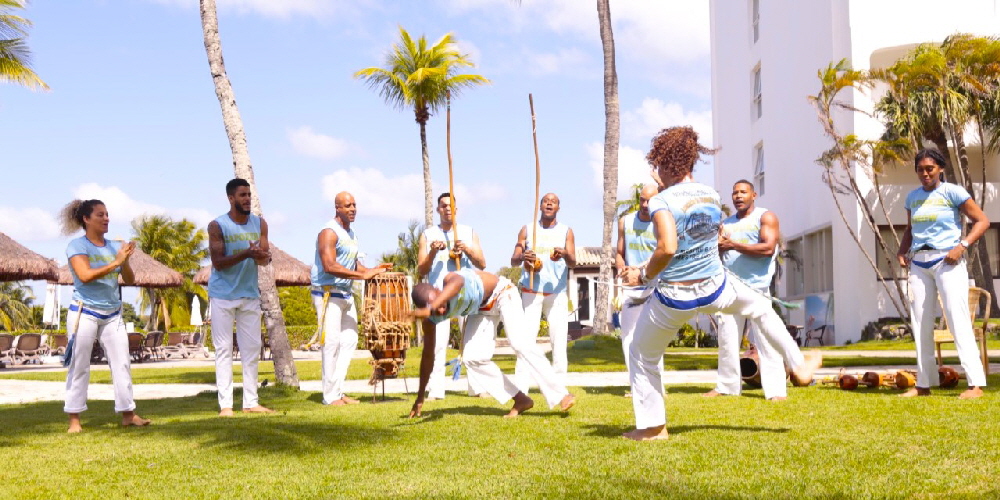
x,y
15,57
284,365
612,130
179,245
404,259
15,305
630,204
421,77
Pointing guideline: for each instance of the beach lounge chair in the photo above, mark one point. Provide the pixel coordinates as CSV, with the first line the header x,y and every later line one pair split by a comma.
x,y
59,342
29,347
6,348
135,342
175,346
152,344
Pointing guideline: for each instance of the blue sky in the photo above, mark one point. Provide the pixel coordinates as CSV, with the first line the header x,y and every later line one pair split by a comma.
x,y
132,116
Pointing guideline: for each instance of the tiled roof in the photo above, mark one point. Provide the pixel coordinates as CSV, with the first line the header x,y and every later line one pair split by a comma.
x,y
588,256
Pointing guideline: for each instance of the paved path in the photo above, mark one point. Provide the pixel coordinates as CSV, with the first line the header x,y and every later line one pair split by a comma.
x,y
29,391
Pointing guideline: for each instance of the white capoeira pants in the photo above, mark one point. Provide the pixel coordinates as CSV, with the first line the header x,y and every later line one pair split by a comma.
x,y
244,314
111,333
480,341
339,341
555,306
635,299
951,281
663,315
439,378
773,377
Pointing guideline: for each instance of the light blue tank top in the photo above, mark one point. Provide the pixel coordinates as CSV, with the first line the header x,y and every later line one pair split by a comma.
x,y
640,240
467,300
238,281
347,256
443,264
697,211
554,273
753,269
934,216
101,293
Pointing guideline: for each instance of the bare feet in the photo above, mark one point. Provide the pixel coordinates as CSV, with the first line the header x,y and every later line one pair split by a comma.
x,y
627,394
258,409
777,398
349,400
338,402
650,434
522,403
567,402
712,394
971,393
74,424
130,419
813,360
916,391
226,412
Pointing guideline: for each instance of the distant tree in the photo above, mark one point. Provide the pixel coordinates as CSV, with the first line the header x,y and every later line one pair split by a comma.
x,y
404,259
511,273
15,305
421,76
297,305
181,246
15,57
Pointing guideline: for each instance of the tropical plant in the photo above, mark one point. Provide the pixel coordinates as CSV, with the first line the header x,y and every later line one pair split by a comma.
x,y
297,305
512,273
179,245
404,259
281,351
15,57
631,204
15,305
612,130
422,77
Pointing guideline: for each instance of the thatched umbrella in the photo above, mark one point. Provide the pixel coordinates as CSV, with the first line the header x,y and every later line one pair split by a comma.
x,y
149,273
18,263
288,271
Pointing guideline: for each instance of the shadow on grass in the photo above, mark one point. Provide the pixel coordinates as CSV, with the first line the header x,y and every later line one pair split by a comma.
x,y
616,431
671,389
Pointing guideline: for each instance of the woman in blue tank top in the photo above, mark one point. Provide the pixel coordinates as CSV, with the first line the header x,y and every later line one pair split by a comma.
x,y
934,251
95,314
691,278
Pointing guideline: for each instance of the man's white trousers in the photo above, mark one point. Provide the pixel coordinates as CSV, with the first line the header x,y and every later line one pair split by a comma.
x,y
339,340
244,314
773,376
555,306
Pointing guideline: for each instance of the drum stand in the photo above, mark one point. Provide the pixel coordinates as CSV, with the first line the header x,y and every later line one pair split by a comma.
x,y
379,378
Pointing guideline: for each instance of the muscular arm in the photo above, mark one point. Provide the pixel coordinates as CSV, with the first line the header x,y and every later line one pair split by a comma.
x,y
620,249
980,223
81,266
666,243
522,241
570,255
904,243
217,249
327,243
425,256
475,252
768,238
264,244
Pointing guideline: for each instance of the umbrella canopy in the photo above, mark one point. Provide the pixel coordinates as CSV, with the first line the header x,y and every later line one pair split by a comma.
x,y
288,271
196,312
149,273
18,263
52,310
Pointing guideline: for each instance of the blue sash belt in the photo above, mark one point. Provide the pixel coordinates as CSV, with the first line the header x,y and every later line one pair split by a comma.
x,y
929,264
687,305
338,295
95,314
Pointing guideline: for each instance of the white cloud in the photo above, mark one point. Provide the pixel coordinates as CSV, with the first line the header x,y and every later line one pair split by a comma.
x,y
308,143
653,115
124,208
560,62
400,197
28,224
632,167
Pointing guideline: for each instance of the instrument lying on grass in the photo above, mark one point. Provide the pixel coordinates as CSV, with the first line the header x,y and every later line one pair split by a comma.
x,y
386,322
892,379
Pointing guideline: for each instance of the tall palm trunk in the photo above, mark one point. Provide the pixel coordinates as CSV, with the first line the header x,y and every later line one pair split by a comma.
x,y
979,257
611,138
284,365
428,187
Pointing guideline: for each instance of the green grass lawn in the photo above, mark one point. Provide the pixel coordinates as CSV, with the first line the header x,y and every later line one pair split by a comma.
x,y
602,354
821,443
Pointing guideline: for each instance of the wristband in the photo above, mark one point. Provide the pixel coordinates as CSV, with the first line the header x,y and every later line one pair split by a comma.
x,y
964,243
642,276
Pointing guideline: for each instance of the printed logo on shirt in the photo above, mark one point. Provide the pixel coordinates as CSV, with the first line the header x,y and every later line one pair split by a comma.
x,y
930,202
233,238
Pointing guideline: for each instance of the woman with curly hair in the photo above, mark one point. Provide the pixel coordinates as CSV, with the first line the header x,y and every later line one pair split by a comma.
x,y
933,247
688,278
95,314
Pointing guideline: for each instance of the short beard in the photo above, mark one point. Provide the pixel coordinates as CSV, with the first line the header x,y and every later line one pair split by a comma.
x,y
240,210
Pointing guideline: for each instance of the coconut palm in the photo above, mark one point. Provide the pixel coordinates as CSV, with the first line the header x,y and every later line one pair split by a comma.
x,y
281,351
404,259
421,76
15,305
15,58
179,245
612,130
631,204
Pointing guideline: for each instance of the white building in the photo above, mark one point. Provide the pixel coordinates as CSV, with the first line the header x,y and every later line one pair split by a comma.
x,y
765,57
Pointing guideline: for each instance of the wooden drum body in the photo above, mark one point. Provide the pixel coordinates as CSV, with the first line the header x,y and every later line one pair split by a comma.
x,y
386,321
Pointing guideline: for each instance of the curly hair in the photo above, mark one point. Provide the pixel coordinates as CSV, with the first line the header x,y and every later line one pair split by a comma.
x,y
71,216
676,149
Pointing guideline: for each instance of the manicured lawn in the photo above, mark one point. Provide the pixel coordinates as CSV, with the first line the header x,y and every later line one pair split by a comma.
x,y
596,354
821,443
895,345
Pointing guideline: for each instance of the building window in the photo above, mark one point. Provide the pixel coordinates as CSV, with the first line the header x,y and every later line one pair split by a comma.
x,y
758,169
811,271
890,241
757,106
755,18
583,299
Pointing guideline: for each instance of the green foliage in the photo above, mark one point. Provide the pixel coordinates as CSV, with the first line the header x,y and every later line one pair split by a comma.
x,y
404,259
129,315
15,57
15,305
513,273
181,246
297,306
689,336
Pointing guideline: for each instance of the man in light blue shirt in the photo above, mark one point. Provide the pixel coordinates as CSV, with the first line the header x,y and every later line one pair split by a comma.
x,y
237,244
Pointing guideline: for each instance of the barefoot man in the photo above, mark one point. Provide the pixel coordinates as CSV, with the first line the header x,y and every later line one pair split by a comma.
x,y
486,299
237,243
690,278
436,248
749,245
334,270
